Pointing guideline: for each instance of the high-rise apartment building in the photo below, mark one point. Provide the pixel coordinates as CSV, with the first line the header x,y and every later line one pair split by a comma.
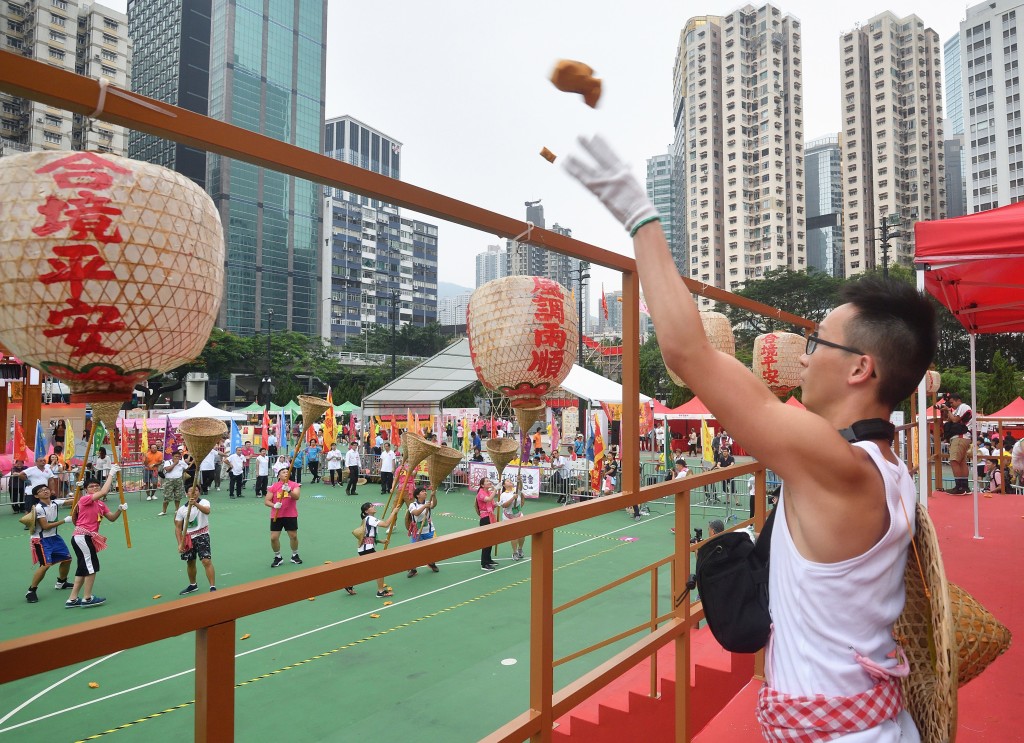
x,y
659,191
267,66
893,143
379,265
990,74
526,259
491,264
739,135
452,310
78,36
171,62
823,158
953,147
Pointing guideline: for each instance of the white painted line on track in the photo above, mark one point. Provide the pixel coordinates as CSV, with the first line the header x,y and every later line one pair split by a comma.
x,y
631,525
53,686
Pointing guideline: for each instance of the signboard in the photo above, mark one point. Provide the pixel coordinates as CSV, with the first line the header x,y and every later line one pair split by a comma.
x,y
531,477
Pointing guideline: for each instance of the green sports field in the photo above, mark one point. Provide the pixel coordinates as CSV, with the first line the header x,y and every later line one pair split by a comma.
x,y
448,658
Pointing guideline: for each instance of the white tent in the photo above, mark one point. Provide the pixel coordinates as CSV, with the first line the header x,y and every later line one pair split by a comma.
x,y
593,387
203,409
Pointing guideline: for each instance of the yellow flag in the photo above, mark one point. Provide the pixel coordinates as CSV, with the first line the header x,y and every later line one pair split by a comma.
x,y
69,443
705,441
145,436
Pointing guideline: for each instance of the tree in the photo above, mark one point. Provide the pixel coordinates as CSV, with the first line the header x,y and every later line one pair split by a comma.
x,y
1004,385
810,295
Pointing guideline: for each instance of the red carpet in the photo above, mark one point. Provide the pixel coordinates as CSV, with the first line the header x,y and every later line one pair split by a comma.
x,y
991,707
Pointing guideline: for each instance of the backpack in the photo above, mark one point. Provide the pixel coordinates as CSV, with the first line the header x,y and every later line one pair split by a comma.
x,y
732,577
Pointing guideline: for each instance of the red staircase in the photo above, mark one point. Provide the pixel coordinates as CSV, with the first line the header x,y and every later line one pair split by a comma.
x,y
625,711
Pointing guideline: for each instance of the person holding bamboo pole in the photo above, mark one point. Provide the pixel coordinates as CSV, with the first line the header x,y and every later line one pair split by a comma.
x,y
282,498
511,501
420,523
192,530
87,513
368,514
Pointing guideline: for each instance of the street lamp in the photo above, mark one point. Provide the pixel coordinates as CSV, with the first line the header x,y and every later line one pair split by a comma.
x,y
266,389
394,321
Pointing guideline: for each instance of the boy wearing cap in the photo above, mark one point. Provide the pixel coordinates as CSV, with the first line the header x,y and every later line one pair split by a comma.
x,y
90,510
47,546
192,530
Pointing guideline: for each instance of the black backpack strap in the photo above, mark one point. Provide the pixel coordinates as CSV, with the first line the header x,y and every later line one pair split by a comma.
x,y
764,539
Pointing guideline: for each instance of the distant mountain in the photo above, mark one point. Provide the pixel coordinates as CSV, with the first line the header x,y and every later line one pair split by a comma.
x,y
446,289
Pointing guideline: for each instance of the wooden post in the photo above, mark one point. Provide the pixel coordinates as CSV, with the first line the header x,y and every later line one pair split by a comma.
x,y
681,609
215,683
542,631
760,514
31,406
3,415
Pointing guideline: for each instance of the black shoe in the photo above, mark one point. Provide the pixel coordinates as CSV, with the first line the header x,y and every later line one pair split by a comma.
x,y
278,562
411,573
384,594
62,584
296,559
488,567
31,597
190,588
434,567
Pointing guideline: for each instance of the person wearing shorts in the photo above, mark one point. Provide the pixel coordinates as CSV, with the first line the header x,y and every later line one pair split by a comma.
x,y
174,483
87,542
368,514
282,498
47,546
192,530
421,525
152,461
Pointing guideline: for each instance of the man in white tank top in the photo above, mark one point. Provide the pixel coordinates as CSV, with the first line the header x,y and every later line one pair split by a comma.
x,y
840,545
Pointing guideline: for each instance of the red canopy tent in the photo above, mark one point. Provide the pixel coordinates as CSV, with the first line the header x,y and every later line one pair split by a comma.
x,y
974,265
1014,411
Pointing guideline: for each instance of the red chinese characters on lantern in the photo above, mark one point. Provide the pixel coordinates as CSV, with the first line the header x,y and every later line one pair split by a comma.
x,y
548,355
85,215
769,357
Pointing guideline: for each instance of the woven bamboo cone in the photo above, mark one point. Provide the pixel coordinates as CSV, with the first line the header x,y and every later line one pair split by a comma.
x,y
441,463
312,409
980,637
106,412
201,435
501,451
526,417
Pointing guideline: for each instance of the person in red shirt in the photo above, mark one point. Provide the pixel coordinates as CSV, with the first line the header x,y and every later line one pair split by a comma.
x,y
282,498
87,514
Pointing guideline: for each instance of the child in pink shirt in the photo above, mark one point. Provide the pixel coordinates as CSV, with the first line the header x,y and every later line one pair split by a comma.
x,y
88,513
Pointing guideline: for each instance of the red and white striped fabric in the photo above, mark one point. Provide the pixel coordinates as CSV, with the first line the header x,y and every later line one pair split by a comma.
x,y
789,719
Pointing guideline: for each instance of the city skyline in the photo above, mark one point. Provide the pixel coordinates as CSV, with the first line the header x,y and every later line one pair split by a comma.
x,y
471,142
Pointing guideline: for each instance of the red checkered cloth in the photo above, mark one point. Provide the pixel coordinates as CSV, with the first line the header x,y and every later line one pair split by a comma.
x,y
788,719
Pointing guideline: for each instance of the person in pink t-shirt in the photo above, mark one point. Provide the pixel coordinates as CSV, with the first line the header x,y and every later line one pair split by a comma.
x,y
284,515
87,514
486,497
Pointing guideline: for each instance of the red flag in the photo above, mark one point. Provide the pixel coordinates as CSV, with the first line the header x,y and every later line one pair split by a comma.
x,y
265,431
604,303
395,438
20,448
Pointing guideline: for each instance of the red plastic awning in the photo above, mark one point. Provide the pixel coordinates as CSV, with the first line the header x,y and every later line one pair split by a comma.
x,y
974,265
1014,410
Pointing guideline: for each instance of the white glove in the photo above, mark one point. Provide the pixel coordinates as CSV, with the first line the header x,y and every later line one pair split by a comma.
x,y
123,506
278,505
67,519
114,469
612,182
286,489
80,485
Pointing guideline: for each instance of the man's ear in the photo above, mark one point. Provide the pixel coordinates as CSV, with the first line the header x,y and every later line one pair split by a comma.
x,y
863,371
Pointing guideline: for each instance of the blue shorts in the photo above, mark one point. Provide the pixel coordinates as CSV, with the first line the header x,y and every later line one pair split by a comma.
x,y
50,550
414,537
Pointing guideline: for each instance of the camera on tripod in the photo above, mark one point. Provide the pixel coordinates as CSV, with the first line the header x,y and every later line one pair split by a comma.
x,y
698,536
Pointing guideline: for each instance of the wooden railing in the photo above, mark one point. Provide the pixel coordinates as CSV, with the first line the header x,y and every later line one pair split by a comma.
x,y
212,617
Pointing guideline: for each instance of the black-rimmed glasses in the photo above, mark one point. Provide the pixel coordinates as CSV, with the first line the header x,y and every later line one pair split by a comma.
x,y
813,341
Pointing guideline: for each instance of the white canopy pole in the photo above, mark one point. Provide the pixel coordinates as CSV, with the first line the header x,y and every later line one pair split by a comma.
x,y
974,432
922,427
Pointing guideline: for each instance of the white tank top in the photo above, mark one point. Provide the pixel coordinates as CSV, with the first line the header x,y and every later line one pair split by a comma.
x,y
823,613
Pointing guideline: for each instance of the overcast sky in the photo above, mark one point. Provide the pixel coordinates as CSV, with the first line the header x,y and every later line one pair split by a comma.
x,y
464,86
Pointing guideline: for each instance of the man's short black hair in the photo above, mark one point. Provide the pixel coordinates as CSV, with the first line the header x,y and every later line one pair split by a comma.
x,y
955,396
715,526
894,324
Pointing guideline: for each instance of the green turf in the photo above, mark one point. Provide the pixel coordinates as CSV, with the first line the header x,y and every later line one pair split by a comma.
x,y
430,664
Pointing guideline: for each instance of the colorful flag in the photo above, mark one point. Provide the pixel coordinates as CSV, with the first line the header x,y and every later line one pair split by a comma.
x,y
554,435
330,423
643,307
20,449
99,434
168,440
280,429
466,436
265,428
705,441
595,473
409,423
604,302
395,438
40,441
236,437
69,444
145,435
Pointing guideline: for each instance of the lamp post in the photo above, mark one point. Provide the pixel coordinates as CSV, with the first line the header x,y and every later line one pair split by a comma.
x,y
266,389
582,275
394,322
888,221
